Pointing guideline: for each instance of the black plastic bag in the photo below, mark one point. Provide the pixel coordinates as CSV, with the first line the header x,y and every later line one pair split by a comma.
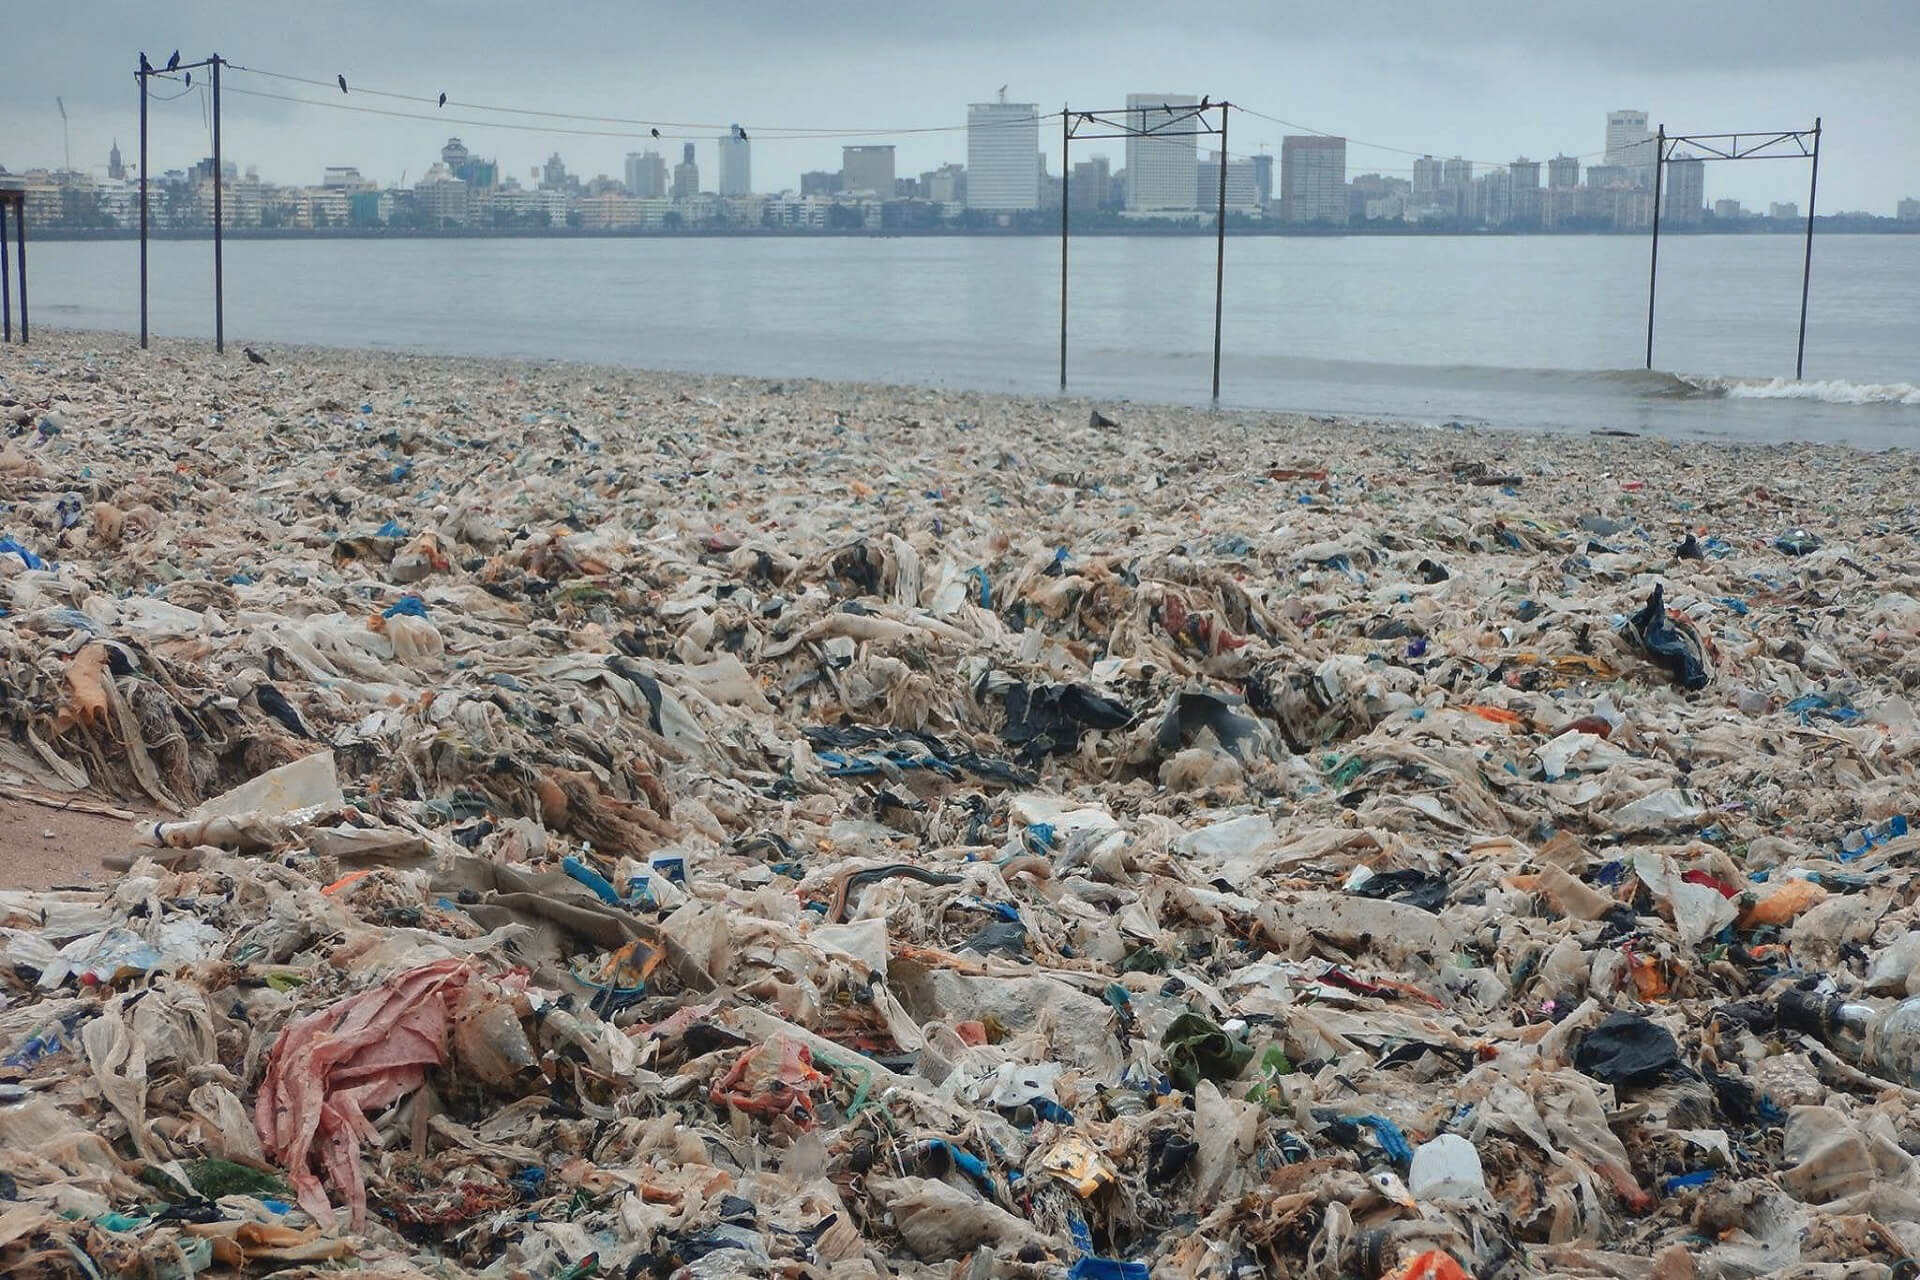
x,y
1627,1049
1675,647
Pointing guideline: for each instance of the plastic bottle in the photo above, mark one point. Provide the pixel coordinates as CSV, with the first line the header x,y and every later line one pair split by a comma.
x,y
1884,1041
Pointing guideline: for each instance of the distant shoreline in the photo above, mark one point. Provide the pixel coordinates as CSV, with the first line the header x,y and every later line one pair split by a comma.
x,y
1822,226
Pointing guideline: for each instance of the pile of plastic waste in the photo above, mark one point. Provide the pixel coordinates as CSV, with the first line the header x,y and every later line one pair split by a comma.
x,y
602,824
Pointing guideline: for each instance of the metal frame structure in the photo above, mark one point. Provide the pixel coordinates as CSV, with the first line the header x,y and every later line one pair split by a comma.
x,y
141,75
17,201
1179,122
1804,144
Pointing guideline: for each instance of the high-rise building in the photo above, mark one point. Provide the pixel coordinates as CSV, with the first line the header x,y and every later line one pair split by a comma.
x,y
1524,173
819,182
1728,209
1630,144
1456,172
1313,179
1686,183
115,169
1243,186
947,184
553,174
867,169
1162,172
1563,171
441,198
1907,210
686,176
1427,173
1790,210
1092,183
1003,149
1263,177
736,174
647,174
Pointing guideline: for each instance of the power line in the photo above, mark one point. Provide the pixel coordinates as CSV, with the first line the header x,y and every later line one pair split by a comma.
x,y
755,131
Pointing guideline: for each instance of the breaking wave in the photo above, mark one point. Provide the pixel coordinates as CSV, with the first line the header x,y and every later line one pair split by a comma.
x,y
1827,391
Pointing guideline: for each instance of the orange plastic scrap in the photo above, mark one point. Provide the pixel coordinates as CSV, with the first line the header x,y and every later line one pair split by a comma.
x,y
328,1069
1434,1264
87,687
1786,903
782,1087
1497,715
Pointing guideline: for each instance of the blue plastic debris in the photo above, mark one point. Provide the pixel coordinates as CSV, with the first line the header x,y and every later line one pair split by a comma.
x,y
602,887
391,529
1039,837
1856,843
1684,1181
9,547
1392,1141
979,575
410,606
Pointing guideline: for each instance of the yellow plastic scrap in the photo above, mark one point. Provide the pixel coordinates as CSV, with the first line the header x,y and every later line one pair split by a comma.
x,y
1076,1163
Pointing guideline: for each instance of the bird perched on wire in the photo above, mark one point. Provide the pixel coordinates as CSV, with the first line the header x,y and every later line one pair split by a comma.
x,y
343,83
656,133
443,99
1205,101
254,357
146,67
173,63
742,132
189,80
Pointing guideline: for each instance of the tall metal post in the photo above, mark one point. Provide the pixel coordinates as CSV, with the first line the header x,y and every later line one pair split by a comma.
x,y
1066,187
6,285
1806,269
219,181
20,244
141,77
1220,254
1653,265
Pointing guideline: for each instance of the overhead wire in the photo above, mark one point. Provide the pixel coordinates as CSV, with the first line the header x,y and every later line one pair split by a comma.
x,y
755,132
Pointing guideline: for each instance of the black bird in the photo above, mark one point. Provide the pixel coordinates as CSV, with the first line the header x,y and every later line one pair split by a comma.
x,y
275,704
443,99
189,81
1204,101
743,135
173,63
343,83
656,133
254,357
144,64
1164,107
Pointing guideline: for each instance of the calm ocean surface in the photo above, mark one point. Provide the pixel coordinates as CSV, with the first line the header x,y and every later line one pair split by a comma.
x,y
1542,332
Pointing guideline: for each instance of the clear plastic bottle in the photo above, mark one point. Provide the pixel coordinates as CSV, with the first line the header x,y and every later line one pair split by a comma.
x,y
1884,1041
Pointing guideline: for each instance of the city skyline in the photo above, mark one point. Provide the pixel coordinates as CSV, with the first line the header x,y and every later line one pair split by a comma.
x,y
871,70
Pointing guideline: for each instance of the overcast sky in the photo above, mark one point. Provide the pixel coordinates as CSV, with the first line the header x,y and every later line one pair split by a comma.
x,y
1489,80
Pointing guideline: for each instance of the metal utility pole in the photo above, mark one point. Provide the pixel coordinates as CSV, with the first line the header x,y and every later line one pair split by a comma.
x,y
1653,267
1806,266
140,78
1220,255
1066,189
1778,144
219,181
1188,120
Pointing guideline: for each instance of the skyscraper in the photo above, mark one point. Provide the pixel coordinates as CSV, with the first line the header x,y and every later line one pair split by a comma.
x,y
1092,183
647,174
1426,177
1263,176
1563,171
686,176
1630,144
1161,172
1003,149
1686,183
869,169
736,175
1243,184
115,169
1313,179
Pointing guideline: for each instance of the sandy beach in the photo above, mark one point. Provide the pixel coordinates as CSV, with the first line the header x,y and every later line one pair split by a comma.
x,y
1357,744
